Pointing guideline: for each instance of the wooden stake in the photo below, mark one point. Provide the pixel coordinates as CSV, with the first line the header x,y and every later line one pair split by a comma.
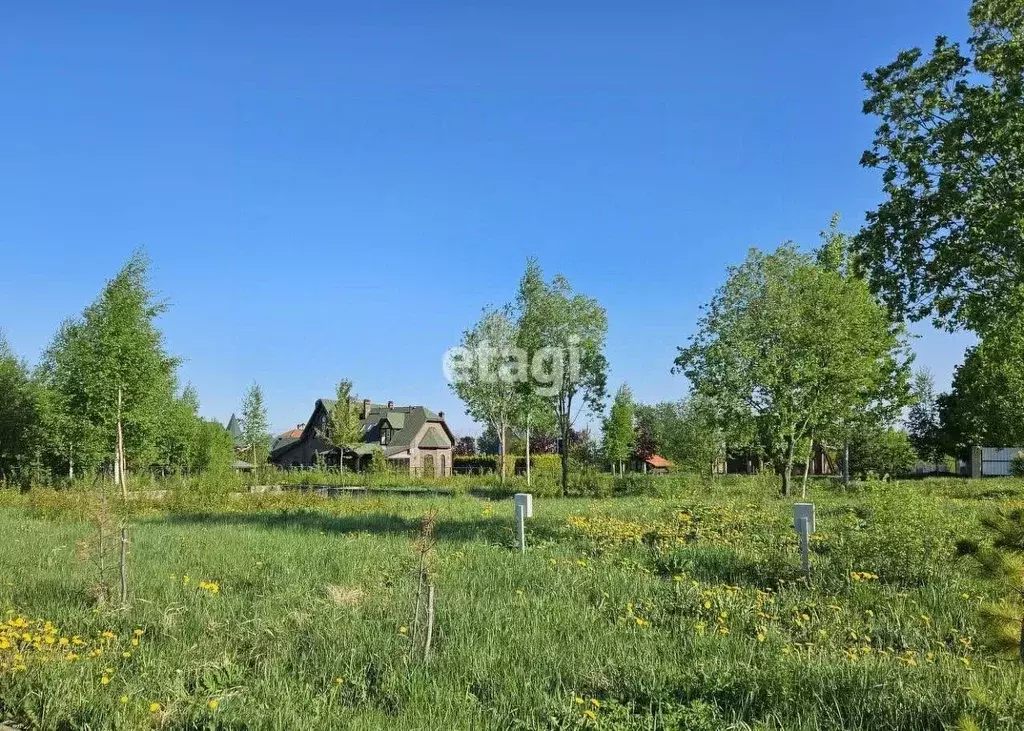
x,y
430,621
124,565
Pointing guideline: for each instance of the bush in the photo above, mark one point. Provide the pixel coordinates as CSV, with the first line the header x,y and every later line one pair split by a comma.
x,y
480,464
1017,465
882,452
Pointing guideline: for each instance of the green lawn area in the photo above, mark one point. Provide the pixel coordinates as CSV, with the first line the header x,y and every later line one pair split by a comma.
x,y
674,612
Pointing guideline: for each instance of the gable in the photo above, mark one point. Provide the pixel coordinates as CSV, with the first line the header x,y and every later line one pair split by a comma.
x,y
434,438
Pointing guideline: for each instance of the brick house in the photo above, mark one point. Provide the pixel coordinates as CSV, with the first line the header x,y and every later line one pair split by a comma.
x,y
413,439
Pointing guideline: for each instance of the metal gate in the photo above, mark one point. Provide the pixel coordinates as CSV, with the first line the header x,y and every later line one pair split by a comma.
x,y
995,461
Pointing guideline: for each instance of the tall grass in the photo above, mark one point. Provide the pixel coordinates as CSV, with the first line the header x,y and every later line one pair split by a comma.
x,y
679,609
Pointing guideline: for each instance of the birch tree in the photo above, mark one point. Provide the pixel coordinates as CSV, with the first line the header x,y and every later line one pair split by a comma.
x,y
488,375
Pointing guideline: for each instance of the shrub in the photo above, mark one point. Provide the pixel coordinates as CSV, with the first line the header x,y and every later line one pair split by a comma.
x,y
1017,465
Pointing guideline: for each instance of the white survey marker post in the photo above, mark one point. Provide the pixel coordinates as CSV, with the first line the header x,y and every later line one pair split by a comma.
x,y
524,510
803,524
803,511
526,500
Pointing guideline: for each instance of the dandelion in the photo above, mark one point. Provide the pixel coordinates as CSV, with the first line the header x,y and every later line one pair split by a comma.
x,y
590,715
154,708
105,680
403,630
108,635
339,681
579,701
212,704
124,700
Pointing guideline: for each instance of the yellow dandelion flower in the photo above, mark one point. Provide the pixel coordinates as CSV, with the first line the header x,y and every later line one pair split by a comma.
x,y
212,704
124,700
154,708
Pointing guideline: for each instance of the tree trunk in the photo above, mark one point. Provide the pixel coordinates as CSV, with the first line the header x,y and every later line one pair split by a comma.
x,y
807,470
846,464
501,451
527,448
565,460
787,466
119,468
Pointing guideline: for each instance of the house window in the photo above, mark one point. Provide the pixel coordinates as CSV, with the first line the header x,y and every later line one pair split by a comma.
x,y
385,435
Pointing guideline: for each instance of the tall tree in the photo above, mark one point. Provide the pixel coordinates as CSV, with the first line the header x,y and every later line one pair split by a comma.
x,y
788,349
255,427
985,404
487,375
113,353
343,427
534,413
563,333
686,432
923,426
948,240
19,414
618,429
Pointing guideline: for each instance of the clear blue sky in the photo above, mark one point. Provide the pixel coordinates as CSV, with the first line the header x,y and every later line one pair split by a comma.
x,y
335,189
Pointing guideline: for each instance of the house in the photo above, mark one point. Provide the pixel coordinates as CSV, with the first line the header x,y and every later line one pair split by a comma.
x,y
654,464
235,430
413,439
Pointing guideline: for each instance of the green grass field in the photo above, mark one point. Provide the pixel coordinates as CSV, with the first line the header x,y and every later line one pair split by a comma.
x,y
684,612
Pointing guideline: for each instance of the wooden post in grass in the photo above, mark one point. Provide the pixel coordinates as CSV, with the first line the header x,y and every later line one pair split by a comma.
x,y
124,565
430,621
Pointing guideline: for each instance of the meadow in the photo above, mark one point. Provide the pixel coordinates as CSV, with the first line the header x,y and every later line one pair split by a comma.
x,y
681,610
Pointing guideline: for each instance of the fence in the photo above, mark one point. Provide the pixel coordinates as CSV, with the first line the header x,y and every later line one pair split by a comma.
x,y
993,461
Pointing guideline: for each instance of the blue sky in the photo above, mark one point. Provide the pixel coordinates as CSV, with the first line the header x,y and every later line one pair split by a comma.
x,y
336,189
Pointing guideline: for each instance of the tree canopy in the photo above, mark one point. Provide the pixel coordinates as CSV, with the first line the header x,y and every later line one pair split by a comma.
x,y
618,428
113,348
788,349
948,239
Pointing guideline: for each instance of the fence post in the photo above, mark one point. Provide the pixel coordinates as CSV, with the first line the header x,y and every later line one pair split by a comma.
x,y
976,456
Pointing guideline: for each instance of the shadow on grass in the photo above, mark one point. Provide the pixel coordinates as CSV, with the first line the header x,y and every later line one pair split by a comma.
x,y
487,530
727,566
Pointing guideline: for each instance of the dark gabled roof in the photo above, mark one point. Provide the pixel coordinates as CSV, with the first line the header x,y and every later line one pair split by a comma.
x,y
235,429
405,422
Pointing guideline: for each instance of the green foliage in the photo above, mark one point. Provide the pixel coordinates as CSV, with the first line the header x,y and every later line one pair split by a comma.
x,y
789,350
19,414
1017,465
985,404
569,330
947,241
672,612
213,452
255,427
924,427
618,428
379,462
487,372
113,347
344,426
1001,558
881,452
686,432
